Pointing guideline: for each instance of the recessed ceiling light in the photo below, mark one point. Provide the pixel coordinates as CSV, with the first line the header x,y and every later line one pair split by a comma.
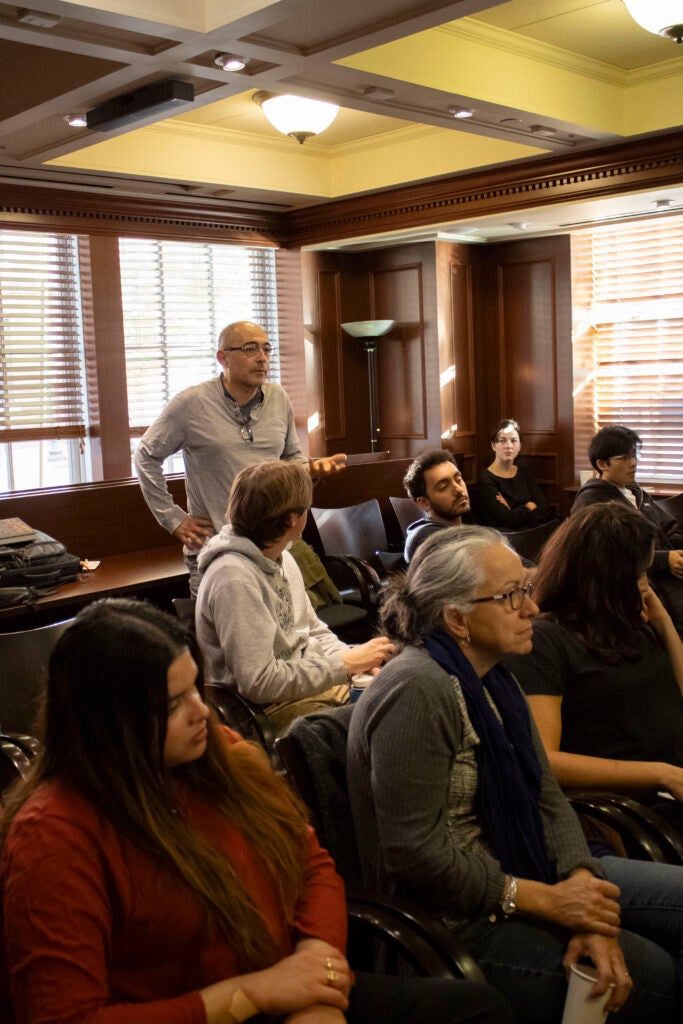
x,y
377,92
663,204
520,225
76,120
460,112
230,62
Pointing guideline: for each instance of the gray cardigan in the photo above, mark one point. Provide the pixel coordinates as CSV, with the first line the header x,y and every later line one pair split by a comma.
x,y
404,736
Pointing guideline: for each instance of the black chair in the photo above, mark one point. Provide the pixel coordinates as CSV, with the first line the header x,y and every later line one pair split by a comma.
x,y
350,620
407,511
358,531
313,755
674,506
529,543
14,764
645,834
24,657
240,714
184,607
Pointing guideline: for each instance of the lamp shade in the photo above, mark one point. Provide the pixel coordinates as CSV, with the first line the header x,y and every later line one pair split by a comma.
x,y
368,328
663,17
296,116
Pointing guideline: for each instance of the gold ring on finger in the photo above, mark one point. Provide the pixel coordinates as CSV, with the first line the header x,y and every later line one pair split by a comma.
x,y
331,977
328,963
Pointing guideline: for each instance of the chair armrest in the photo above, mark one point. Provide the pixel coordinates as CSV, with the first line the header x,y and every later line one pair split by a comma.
x,y
431,948
650,819
240,714
350,572
639,842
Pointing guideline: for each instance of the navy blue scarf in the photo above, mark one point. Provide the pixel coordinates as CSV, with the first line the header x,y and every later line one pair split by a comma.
x,y
509,784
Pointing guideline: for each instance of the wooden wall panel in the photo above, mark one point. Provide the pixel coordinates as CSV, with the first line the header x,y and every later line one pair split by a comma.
x,y
398,295
528,345
526,370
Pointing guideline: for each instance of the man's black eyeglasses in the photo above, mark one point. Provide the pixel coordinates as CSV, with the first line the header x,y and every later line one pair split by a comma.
x,y
250,347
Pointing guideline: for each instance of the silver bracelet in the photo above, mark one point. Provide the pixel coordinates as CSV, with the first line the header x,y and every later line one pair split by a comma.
x,y
508,904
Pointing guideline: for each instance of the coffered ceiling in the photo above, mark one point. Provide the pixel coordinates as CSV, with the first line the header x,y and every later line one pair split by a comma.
x,y
540,77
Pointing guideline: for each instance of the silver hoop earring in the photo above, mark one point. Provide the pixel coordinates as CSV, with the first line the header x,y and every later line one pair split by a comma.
x,y
465,642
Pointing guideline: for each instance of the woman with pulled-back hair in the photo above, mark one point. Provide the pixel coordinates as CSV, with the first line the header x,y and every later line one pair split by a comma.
x,y
507,494
155,870
605,677
455,806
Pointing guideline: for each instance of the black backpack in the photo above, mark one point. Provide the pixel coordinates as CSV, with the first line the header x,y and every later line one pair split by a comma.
x,y
43,564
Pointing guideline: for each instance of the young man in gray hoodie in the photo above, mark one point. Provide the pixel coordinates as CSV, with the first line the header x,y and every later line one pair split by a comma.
x,y
255,624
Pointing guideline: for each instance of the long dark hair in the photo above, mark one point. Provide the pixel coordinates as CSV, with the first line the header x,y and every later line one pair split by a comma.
x,y
104,728
587,577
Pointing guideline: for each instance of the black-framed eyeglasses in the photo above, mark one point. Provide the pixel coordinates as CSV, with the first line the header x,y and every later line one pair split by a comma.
x,y
624,458
514,597
250,347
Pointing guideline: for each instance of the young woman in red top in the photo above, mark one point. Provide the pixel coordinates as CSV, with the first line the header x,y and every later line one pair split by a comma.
x,y
154,869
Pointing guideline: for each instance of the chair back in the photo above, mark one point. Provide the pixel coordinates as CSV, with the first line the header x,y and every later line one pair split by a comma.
x,y
529,543
24,657
232,709
674,506
354,530
407,511
184,607
313,754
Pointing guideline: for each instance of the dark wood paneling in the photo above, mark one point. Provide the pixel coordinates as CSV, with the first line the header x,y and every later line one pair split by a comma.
x,y
331,355
526,366
292,355
397,294
94,520
106,357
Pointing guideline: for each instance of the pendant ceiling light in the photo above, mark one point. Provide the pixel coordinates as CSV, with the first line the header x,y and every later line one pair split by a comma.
x,y
296,116
663,17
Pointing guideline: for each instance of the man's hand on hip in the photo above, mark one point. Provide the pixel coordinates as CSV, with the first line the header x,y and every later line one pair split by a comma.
x,y
193,531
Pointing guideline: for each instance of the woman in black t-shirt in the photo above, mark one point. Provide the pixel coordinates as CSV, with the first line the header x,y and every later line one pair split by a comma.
x,y
605,677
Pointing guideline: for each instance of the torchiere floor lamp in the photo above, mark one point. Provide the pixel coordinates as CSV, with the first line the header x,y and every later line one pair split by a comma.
x,y
368,331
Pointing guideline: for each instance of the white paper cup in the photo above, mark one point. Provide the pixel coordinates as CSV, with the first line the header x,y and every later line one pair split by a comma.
x,y
359,685
579,1007
585,475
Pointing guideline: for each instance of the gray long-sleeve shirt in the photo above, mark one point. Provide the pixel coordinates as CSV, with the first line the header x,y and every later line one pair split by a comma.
x,y
407,740
205,424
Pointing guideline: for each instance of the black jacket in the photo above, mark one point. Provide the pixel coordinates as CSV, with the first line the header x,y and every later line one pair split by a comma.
x,y
669,535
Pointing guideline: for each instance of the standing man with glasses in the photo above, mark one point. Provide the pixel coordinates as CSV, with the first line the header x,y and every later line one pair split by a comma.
x,y
222,425
613,453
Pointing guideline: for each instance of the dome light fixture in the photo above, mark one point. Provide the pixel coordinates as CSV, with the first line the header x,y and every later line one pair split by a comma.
x,y
296,116
76,120
663,17
462,113
230,61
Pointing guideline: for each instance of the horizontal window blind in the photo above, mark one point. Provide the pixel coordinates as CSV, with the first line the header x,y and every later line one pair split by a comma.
x,y
41,365
628,345
177,296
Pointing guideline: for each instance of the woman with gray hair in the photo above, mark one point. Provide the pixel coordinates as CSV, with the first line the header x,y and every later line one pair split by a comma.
x,y
455,806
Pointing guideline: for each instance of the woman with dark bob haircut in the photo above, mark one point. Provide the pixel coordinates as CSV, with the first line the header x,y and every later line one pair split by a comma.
x,y
156,871
605,677
454,803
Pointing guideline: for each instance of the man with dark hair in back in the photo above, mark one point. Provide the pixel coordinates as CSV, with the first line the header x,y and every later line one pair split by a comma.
x,y
434,481
613,453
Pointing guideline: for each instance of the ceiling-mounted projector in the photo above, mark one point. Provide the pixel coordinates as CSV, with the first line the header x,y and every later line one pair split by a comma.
x,y
133,106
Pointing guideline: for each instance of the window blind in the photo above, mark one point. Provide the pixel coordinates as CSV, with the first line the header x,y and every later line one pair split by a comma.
x,y
177,296
628,339
41,363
